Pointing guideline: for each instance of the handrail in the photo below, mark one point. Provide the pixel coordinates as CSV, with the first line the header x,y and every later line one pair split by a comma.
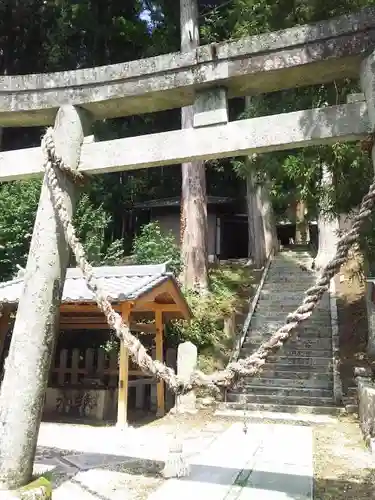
x,y
243,332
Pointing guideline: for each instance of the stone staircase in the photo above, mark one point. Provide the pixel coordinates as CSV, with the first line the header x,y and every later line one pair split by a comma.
x,y
300,377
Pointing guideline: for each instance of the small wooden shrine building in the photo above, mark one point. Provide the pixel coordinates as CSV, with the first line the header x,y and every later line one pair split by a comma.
x,y
147,296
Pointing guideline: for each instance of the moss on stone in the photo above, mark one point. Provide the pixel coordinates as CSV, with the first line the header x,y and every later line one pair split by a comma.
x,y
40,489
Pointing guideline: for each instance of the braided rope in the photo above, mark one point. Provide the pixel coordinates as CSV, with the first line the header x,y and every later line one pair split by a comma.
x,y
249,366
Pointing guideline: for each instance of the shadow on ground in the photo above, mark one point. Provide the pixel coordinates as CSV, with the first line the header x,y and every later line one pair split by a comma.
x,y
297,487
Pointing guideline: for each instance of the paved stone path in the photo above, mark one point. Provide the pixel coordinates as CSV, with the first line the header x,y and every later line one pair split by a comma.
x,y
270,462
104,463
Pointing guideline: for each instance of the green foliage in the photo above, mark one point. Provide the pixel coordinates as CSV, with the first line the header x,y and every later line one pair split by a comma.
x,y
206,329
18,204
91,223
153,246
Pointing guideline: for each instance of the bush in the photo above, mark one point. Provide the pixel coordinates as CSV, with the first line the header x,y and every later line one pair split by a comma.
x,y
152,246
92,223
206,329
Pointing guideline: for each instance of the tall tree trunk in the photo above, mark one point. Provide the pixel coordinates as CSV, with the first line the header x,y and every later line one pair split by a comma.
x,y
250,217
261,219
328,227
193,224
256,243
268,219
302,227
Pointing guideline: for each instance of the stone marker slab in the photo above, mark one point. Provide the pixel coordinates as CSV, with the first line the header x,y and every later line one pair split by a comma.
x,y
187,358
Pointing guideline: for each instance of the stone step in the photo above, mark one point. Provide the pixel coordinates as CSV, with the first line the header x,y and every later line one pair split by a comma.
x,y
321,317
279,300
303,343
275,417
297,361
260,321
268,325
275,302
278,312
294,269
313,343
309,332
326,382
289,352
260,334
283,367
281,392
282,408
352,391
275,285
278,293
289,372
275,399
291,275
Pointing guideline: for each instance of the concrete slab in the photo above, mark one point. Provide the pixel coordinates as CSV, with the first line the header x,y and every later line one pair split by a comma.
x,y
270,462
284,466
215,470
277,486
287,444
72,490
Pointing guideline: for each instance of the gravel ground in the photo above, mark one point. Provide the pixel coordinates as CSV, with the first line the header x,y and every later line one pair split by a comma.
x,y
343,467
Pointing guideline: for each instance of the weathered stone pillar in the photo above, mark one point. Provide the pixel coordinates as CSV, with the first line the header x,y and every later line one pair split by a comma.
x,y
28,363
366,405
367,77
187,357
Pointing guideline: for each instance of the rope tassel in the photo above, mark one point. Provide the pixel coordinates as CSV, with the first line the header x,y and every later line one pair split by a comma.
x,y
176,464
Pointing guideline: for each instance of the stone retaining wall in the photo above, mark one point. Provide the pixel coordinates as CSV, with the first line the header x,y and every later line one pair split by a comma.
x,y
366,409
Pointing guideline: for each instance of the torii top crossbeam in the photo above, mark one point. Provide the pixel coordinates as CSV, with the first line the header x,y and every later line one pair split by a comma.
x,y
303,55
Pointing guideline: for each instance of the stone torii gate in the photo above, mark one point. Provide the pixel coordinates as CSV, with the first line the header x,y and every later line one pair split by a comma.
x,y
206,78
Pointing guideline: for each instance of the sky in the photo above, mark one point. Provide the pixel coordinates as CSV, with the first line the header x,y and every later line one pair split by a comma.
x,y
146,16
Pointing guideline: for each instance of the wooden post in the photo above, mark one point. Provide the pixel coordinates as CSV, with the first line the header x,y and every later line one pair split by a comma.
x,y
123,379
32,345
160,357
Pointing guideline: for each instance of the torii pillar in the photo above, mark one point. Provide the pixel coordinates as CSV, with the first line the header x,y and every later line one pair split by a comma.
x,y
367,77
